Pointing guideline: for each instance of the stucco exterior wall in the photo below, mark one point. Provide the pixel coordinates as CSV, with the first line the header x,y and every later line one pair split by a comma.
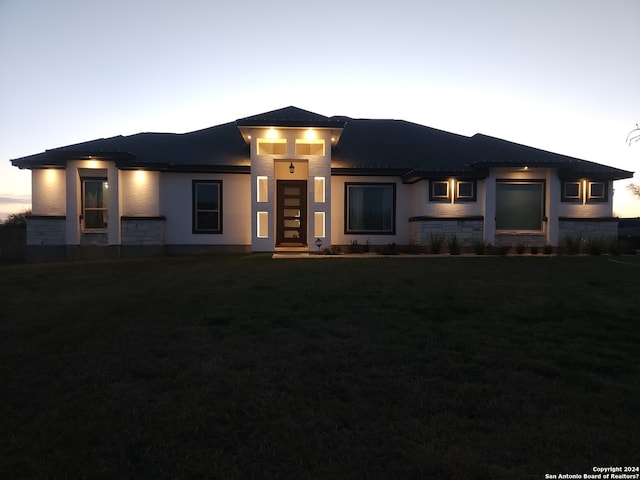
x,y
403,212
421,206
176,207
140,193
276,167
49,190
588,210
549,233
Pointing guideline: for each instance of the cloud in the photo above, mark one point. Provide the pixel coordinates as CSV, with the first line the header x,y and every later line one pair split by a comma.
x,y
15,199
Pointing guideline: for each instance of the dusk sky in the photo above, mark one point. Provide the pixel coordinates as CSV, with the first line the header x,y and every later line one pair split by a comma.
x,y
561,75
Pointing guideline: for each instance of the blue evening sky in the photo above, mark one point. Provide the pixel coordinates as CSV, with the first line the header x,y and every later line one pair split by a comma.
x,y
561,75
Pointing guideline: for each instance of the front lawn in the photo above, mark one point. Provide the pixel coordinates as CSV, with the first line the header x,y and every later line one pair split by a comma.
x,y
239,367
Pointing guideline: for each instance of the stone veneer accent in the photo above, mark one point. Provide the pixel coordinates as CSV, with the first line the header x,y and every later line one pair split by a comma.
x,y
466,229
143,230
46,230
588,228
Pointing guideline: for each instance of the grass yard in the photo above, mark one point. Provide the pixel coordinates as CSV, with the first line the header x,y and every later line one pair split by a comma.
x,y
243,367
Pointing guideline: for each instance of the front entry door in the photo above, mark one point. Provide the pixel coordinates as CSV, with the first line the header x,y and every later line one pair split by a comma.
x,y
292,213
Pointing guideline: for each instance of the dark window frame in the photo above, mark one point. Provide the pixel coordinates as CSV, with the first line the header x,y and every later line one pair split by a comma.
x,y
543,194
433,197
97,179
469,198
351,231
453,192
597,198
585,194
572,198
195,210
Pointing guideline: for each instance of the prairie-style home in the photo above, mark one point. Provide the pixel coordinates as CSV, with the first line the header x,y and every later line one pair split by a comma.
x,y
291,179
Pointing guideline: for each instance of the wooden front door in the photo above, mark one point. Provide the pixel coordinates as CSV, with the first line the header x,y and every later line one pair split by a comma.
x,y
292,213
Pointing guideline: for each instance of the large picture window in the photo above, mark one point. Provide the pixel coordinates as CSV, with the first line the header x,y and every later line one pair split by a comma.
x,y
207,206
94,203
370,208
520,205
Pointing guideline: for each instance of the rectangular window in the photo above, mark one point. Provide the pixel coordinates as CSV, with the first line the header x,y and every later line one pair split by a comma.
x,y
318,224
520,205
439,191
262,189
370,208
263,225
318,185
461,190
309,147
465,191
272,146
597,192
584,191
94,203
572,191
207,206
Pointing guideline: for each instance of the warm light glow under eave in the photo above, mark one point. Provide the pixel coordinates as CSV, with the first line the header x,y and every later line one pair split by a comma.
x,y
271,133
51,176
310,134
140,177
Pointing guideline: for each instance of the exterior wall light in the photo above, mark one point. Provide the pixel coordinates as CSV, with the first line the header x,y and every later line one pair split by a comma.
x,y
291,167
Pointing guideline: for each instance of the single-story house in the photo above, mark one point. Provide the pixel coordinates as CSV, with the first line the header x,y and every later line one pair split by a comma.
x,y
294,179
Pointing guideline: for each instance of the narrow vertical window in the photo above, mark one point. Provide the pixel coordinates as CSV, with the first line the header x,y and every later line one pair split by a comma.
x,y
318,184
263,189
207,206
318,224
94,203
263,225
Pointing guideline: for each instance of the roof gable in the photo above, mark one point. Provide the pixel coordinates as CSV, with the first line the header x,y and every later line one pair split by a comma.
x,y
289,117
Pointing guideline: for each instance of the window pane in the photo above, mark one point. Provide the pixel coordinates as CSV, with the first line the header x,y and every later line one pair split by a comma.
x,y
95,219
207,221
596,190
440,189
519,206
207,197
94,194
370,208
207,205
465,189
572,189
263,189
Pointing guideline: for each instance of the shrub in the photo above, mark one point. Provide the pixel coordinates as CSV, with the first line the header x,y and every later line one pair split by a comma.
x,y
534,250
548,249
520,248
572,245
453,245
437,241
389,249
479,247
332,250
596,245
503,250
354,247
613,247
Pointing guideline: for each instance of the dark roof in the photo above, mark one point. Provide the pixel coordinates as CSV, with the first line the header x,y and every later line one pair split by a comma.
x,y
215,148
290,117
393,147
